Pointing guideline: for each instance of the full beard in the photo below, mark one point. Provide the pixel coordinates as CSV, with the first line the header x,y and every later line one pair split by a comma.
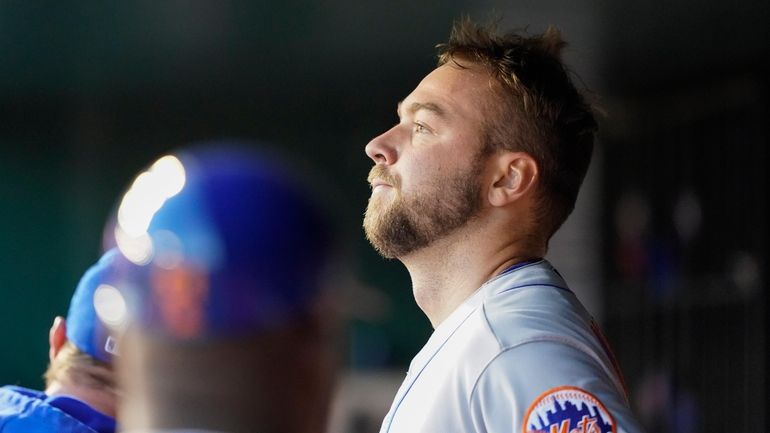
x,y
410,223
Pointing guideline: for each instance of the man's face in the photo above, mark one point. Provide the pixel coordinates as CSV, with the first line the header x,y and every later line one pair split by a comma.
x,y
426,182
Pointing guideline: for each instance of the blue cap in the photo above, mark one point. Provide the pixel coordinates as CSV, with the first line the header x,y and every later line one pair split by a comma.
x,y
97,309
226,239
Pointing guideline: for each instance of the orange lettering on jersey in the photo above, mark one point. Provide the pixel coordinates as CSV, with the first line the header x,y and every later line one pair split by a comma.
x,y
588,425
563,428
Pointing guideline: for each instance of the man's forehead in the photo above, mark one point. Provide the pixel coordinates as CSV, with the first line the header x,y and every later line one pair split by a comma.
x,y
457,76
447,89
411,107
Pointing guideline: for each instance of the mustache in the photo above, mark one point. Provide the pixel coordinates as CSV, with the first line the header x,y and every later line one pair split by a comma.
x,y
380,172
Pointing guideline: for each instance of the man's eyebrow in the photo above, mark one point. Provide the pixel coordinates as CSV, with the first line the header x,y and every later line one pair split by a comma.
x,y
417,106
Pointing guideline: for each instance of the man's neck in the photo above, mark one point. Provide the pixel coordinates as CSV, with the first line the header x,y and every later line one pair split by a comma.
x,y
98,399
451,269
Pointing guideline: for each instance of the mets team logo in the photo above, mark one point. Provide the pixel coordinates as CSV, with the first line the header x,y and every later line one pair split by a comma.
x,y
568,409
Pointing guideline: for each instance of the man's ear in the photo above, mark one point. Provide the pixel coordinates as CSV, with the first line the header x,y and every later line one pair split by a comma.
x,y
515,174
57,336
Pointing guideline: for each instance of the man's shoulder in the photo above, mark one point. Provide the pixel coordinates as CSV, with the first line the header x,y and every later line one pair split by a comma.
x,y
26,410
8,391
534,303
532,377
530,304
15,398
18,404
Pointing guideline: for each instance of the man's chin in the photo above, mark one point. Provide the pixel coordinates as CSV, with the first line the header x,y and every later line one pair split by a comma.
x,y
373,228
380,201
391,245
385,249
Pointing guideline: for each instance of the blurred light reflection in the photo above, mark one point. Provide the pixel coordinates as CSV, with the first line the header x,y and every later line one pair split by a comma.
x,y
137,249
110,305
163,180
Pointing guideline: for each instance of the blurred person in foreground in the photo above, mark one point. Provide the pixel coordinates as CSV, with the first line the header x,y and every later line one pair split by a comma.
x,y
228,325
483,166
80,394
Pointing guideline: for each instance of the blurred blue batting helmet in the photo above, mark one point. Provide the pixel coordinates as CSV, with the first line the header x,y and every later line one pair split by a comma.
x,y
226,240
97,309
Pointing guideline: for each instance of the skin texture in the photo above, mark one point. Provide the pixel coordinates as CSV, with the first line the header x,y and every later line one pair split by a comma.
x,y
473,212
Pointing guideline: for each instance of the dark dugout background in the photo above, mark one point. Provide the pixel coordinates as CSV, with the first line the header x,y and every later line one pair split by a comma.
x,y
90,93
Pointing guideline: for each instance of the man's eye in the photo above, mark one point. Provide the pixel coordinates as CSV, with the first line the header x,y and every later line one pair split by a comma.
x,y
420,128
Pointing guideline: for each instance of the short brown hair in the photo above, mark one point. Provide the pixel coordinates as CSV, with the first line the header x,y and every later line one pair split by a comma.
x,y
75,366
540,111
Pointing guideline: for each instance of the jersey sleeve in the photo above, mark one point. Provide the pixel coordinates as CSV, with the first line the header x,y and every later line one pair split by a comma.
x,y
548,386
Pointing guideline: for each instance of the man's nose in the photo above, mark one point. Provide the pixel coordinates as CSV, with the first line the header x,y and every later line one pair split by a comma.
x,y
383,149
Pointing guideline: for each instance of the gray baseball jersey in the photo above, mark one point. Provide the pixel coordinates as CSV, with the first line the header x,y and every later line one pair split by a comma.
x,y
519,355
